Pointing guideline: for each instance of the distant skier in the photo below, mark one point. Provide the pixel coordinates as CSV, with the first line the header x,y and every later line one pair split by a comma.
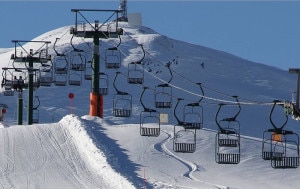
x,y
202,65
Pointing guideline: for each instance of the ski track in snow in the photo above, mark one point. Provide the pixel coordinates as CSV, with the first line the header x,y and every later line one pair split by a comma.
x,y
161,147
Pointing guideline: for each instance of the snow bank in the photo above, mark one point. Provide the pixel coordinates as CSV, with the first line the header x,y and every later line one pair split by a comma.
x,y
92,154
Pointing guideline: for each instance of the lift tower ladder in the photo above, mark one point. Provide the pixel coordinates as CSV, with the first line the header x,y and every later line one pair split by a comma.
x,y
96,31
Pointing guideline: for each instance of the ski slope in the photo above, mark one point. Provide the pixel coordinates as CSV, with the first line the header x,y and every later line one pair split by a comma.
x,y
70,149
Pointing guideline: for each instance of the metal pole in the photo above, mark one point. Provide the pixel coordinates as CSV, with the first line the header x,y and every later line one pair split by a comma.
x,y
30,89
95,102
297,95
20,108
296,71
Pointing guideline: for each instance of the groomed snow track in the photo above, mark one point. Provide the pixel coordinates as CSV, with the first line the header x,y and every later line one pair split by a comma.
x,y
58,155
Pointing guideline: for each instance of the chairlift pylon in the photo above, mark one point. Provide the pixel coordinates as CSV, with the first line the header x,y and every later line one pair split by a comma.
x,y
227,145
184,139
136,70
122,102
280,146
149,120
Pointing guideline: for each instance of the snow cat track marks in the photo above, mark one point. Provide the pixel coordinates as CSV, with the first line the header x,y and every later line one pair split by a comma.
x,y
64,148
191,166
9,164
35,160
51,151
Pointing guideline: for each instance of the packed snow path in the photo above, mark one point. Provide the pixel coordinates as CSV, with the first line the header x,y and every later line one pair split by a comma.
x,y
53,156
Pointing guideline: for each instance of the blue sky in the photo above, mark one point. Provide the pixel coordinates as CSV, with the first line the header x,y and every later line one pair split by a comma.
x,y
266,32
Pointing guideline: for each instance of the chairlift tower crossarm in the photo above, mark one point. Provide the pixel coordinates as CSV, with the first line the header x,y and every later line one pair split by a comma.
x,y
31,60
96,99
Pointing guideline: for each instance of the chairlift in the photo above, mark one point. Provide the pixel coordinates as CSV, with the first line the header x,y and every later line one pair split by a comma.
x,y
35,110
7,82
46,75
75,79
280,146
136,71
163,93
77,58
122,102
149,120
113,56
60,80
88,71
35,77
184,139
193,113
103,82
227,145
60,62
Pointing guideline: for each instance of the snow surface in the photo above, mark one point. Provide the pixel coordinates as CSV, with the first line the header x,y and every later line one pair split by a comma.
x,y
70,149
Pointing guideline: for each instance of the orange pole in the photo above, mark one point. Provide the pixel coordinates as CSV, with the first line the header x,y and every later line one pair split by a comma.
x,y
93,104
96,105
101,106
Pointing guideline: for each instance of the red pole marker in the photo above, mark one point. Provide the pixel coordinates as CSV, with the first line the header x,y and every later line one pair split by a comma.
x,y
71,96
3,112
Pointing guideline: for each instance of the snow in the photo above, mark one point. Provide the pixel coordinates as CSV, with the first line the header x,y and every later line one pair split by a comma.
x,y
70,149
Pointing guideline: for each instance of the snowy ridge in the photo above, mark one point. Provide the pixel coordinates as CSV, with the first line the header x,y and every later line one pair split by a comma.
x,y
92,154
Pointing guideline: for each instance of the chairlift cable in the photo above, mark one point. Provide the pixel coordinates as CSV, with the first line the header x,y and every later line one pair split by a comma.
x,y
192,93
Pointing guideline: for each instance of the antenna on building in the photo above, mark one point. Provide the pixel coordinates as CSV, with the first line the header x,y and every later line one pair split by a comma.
x,y
123,9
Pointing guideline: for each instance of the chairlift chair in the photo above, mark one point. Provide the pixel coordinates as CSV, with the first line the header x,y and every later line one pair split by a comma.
x,y
35,112
88,71
113,57
163,93
227,144
184,139
280,146
77,61
75,79
60,80
193,114
77,58
103,82
7,82
135,73
136,70
60,67
46,75
149,120
163,96
122,102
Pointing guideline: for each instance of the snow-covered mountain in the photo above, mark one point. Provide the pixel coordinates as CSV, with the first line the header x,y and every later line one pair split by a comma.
x,y
76,161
